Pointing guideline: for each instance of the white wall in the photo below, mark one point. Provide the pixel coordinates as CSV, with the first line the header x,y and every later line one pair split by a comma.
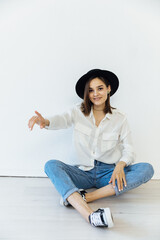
x,y
45,46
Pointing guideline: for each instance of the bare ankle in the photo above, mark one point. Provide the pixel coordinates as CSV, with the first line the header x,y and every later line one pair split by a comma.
x,y
88,197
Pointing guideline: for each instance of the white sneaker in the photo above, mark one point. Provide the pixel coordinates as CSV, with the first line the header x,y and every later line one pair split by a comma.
x,y
101,218
66,203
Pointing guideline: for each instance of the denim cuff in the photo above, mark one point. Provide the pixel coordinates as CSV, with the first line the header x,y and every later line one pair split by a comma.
x,y
69,193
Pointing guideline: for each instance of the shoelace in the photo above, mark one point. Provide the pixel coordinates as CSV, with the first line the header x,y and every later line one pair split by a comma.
x,y
96,218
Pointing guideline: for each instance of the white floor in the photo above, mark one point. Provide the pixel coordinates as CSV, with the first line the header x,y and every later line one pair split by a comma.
x,y
30,210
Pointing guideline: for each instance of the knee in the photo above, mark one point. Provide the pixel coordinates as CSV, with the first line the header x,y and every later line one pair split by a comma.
x,y
51,164
149,171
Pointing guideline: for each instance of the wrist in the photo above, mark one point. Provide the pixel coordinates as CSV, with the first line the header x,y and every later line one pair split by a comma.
x,y
121,163
47,122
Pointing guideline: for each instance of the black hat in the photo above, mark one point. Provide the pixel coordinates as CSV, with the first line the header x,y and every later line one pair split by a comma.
x,y
111,77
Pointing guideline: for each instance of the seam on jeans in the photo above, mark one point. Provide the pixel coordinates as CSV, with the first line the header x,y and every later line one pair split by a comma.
x,y
146,179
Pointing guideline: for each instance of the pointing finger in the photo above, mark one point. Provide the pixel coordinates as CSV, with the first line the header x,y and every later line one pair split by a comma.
x,y
38,114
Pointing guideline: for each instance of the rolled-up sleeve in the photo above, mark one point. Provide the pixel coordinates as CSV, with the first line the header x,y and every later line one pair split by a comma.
x,y
126,144
61,121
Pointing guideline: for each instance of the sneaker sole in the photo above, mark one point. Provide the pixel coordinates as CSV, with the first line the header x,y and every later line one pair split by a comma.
x,y
109,217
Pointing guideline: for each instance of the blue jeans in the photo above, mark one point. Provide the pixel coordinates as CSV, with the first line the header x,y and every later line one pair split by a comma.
x,y
68,179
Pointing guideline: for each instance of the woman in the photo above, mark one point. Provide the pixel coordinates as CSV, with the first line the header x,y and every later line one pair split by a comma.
x,y
102,149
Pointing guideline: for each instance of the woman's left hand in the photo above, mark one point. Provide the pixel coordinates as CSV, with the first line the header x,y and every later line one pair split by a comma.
x,y
119,174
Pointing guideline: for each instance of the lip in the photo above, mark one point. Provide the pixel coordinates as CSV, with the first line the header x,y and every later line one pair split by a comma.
x,y
96,99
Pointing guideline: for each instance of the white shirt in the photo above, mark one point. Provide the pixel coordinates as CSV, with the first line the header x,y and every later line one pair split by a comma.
x,y
110,142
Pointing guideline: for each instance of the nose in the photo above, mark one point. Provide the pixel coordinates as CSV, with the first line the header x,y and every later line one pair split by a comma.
x,y
95,93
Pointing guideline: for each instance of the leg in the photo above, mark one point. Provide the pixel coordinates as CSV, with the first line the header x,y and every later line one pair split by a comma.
x,y
80,205
102,192
67,180
103,174
136,175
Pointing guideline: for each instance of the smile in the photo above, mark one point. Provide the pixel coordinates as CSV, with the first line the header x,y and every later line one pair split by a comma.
x,y
96,99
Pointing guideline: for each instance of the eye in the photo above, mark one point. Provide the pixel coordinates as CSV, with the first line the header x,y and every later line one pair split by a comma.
x,y
90,90
100,88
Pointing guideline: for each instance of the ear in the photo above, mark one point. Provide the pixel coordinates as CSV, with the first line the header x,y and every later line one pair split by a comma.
x,y
109,89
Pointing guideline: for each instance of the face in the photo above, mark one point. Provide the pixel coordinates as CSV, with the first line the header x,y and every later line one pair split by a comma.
x,y
98,92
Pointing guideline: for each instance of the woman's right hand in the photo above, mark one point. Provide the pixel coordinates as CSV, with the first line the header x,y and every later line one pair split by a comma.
x,y
38,120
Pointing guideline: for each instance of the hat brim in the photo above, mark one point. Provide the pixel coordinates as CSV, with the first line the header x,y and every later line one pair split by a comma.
x,y
110,76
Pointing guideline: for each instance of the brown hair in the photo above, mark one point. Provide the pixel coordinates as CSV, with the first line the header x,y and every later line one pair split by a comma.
x,y
87,104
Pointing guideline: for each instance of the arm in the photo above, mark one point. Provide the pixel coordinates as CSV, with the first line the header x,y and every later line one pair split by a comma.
x,y
119,174
127,158
38,119
47,123
126,144
60,121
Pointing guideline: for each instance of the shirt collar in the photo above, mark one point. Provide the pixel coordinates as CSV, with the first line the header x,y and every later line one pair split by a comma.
x,y
108,115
